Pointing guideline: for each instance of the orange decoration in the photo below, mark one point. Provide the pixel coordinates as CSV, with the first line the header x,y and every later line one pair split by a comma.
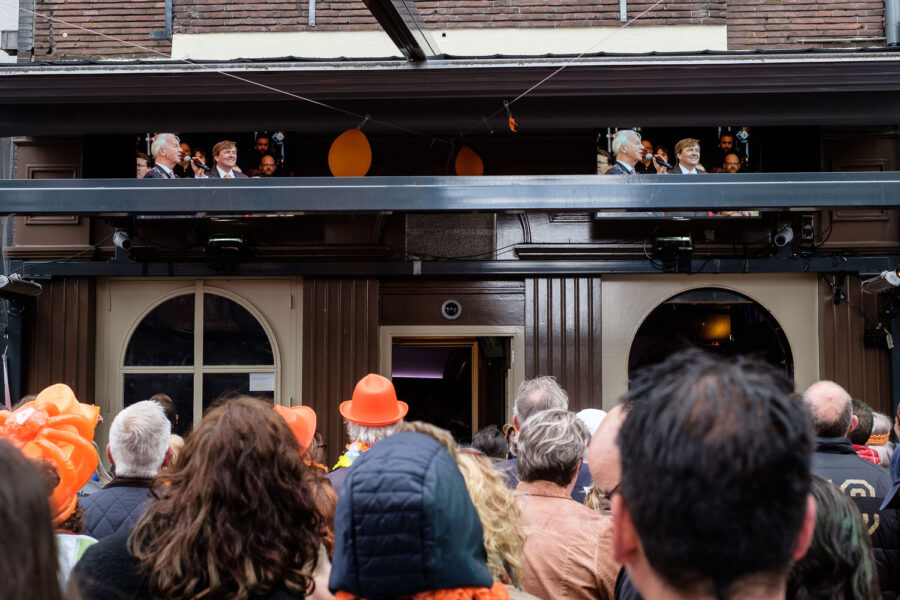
x,y
513,125
302,421
350,154
57,428
468,162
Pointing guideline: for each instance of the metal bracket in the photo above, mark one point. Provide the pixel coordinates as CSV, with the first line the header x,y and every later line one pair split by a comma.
x,y
165,34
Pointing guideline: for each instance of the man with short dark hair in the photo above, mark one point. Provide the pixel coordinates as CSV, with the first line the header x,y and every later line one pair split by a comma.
x,y
831,411
714,499
860,434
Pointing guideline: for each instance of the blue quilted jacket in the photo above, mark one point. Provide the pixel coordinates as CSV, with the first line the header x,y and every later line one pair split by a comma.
x,y
116,507
404,523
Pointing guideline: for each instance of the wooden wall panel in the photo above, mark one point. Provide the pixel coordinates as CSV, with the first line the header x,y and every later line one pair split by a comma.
x,y
340,345
418,302
843,358
60,337
562,335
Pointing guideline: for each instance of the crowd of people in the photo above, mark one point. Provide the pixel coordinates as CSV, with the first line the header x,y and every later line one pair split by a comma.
x,y
632,155
710,478
171,158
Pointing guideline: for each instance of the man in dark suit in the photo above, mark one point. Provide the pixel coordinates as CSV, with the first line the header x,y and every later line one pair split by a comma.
x,y
688,153
166,153
225,156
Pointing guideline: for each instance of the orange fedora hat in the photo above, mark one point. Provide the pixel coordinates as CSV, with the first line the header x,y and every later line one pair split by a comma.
x,y
302,421
374,402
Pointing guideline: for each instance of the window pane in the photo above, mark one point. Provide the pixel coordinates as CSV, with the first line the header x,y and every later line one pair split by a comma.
x,y
231,335
179,387
165,337
218,385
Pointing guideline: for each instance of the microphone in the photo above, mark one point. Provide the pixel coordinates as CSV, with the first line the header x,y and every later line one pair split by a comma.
x,y
659,160
199,163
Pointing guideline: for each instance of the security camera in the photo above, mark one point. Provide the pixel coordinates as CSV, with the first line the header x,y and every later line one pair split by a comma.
x,y
451,310
888,280
122,240
784,236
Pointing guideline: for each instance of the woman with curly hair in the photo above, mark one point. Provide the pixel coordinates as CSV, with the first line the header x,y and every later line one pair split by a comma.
x,y
235,520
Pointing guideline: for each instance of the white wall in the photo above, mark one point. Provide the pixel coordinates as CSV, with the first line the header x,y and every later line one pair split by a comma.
x,y
9,21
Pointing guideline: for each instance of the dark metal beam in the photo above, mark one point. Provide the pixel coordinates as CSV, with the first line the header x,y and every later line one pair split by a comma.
x,y
401,21
808,191
460,268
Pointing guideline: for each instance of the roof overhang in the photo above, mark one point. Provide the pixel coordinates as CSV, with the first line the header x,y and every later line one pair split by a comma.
x,y
449,95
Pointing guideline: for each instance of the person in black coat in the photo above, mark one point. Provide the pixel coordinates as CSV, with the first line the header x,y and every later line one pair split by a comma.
x,y
867,484
629,151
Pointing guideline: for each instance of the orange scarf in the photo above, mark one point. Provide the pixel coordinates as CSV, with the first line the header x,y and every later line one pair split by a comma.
x,y
497,592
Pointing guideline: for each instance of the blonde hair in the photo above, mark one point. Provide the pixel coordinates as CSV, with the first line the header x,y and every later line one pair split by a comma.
x,y
595,500
500,516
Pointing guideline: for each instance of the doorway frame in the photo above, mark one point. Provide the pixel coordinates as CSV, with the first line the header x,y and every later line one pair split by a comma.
x,y
387,333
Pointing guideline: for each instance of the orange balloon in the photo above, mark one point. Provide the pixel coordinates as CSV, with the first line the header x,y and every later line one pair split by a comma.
x,y
350,154
57,428
468,163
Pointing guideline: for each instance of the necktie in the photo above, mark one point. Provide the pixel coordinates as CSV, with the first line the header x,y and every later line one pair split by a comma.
x,y
171,175
228,176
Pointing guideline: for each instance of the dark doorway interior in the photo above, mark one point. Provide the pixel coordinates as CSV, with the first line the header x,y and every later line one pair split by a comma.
x,y
458,384
718,320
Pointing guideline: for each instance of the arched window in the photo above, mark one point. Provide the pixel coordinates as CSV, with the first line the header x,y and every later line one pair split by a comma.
x,y
197,347
719,320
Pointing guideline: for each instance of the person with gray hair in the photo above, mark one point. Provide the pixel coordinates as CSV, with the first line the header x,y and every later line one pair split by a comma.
x,y
568,547
166,151
629,151
138,448
534,396
830,410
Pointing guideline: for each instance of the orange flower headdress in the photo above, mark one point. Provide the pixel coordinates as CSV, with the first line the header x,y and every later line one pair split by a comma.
x,y
57,428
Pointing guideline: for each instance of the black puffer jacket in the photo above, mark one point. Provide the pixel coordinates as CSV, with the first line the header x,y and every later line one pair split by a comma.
x,y
404,523
867,485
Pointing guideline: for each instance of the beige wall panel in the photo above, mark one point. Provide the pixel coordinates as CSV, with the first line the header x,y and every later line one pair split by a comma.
x,y
793,300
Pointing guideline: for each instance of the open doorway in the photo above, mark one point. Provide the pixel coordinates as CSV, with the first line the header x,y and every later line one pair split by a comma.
x,y
719,320
456,383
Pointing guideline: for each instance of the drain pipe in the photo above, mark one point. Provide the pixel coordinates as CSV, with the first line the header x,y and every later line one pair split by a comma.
x,y
892,22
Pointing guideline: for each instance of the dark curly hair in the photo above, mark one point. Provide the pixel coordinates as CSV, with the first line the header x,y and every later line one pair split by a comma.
x,y
237,518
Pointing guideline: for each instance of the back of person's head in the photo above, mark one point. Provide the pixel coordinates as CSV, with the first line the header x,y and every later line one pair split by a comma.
x,y
139,439
715,474
405,524
880,439
839,562
500,516
830,409
491,442
535,395
30,565
168,407
862,431
238,518
551,447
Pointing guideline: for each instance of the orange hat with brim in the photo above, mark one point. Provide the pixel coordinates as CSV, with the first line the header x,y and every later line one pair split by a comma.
x,y
302,421
374,403
57,428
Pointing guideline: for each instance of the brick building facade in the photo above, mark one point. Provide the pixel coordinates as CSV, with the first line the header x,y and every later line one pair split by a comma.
x,y
751,24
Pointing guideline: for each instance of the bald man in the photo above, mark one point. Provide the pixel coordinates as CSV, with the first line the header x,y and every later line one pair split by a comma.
x,y
831,411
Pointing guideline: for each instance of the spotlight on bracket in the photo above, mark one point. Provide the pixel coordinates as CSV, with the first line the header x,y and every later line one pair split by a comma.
x,y
888,280
784,236
13,286
122,240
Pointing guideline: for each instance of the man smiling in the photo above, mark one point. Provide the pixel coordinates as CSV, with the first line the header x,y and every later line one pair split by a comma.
x,y
225,155
688,153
